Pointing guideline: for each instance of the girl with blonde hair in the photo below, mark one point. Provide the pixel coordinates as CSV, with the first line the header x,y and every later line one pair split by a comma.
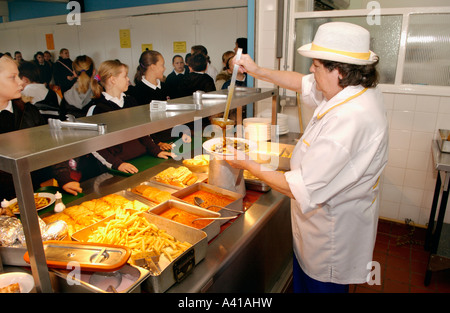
x,y
109,88
75,99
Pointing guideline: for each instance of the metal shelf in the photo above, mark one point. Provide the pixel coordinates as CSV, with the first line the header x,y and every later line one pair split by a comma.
x,y
24,151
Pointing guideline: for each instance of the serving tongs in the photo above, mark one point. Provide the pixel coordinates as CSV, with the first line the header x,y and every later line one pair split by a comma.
x,y
150,262
58,124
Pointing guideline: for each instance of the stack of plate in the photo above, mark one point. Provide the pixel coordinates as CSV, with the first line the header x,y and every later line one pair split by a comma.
x,y
257,129
282,122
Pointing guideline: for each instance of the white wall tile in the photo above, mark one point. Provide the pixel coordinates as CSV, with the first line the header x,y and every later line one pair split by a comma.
x,y
402,120
427,104
404,102
391,193
444,105
393,176
415,179
399,139
398,157
417,160
421,141
389,209
389,100
443,121
412,196
424,122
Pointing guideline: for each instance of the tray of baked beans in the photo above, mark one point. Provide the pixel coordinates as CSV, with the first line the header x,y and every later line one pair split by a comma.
x,y
225,202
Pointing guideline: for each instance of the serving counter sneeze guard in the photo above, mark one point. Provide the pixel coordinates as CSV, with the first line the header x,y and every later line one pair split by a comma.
x,y
24,151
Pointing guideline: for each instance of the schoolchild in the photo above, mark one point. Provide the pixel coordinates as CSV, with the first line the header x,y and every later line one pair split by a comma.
x,y
197,78
210,69
45,99
173,79
63,72
109,92
76,99
15,115
149,86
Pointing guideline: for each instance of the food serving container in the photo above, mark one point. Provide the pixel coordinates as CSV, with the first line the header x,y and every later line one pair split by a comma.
x,y
444,140
237,204
91,257
274,154
171,272
131,277
211,230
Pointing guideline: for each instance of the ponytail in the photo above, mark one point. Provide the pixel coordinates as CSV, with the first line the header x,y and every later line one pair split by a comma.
x,y
83,66
106,70
148,57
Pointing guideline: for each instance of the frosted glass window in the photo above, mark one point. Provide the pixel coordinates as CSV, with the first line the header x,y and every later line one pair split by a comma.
x,y
385,41
427,60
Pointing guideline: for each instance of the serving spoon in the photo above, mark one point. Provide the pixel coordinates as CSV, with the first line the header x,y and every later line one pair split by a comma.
x,y
199,201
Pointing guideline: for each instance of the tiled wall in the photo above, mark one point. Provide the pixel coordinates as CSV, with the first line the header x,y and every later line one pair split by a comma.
x,y
409,178
407,184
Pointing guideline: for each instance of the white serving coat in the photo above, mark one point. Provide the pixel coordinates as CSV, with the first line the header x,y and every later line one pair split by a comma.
x,y
335,170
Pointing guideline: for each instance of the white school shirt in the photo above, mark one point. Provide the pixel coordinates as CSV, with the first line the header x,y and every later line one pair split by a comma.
x,y
335,170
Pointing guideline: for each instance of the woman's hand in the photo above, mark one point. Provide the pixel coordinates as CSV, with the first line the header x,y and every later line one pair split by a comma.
x,y
128,168
73,188
246,65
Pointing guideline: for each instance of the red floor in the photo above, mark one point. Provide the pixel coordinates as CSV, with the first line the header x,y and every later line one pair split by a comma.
x,y
403,261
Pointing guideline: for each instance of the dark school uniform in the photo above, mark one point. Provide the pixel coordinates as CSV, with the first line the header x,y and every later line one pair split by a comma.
x,y
172,82
23,115
112,157
195,81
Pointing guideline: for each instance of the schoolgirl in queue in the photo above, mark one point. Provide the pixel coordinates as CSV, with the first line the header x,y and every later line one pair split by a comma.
x,y
149,85
109,89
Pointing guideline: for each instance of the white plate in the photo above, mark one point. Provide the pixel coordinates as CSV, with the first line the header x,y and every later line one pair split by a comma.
x,y
26,281
208,145
40,194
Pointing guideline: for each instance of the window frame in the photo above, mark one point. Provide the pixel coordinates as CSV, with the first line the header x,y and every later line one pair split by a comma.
x,y
397,86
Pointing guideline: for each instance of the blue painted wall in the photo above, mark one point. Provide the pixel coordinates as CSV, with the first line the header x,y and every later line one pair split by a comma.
x,y
23,10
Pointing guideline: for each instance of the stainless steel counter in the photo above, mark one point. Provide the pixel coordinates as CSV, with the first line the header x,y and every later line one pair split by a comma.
x,y
253,254
24,151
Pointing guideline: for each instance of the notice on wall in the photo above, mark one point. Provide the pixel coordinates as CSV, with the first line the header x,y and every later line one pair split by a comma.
x,y
179,47
147,46
125,38
50,42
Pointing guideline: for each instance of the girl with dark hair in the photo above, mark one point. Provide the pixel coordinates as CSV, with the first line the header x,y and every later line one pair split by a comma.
x,y
149,77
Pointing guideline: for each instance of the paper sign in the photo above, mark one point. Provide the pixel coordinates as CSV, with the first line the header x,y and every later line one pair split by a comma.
x,y
125,38
50,42
147,46
179,47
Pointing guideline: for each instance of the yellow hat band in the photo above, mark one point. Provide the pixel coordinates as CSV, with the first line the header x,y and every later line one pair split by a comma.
x,y
356,55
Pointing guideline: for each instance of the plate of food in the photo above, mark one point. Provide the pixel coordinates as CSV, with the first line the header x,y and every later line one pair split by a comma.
x,y
216,145
42,200
198,164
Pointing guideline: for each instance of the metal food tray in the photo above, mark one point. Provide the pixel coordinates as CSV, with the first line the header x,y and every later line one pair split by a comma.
x,y
176,270
211,230
257,185
150,203
444,143
238,204
132,277
201,178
